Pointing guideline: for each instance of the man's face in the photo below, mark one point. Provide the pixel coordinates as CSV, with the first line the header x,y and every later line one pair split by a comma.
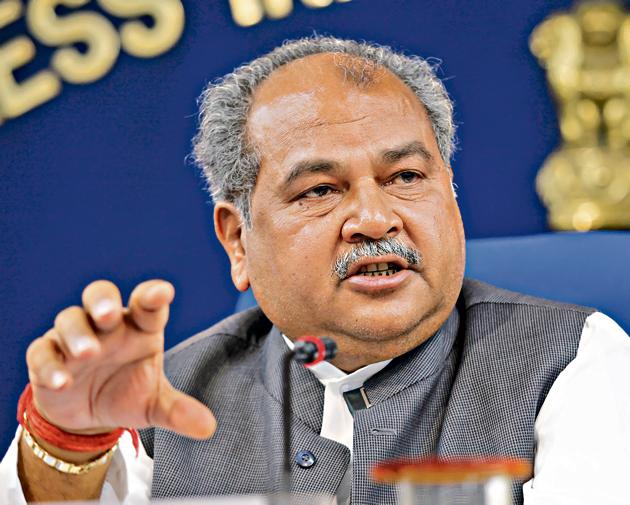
x,y
342,165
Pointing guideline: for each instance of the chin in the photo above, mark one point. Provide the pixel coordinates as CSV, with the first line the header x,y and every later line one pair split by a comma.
x,y
392,321
381,329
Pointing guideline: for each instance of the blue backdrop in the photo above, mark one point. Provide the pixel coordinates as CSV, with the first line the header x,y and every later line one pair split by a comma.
x,y
95,183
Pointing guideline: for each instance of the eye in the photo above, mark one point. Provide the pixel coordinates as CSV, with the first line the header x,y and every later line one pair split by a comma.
x,y
317,192
406,177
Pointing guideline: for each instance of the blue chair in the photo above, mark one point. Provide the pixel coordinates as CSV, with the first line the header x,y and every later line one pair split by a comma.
x,y
590,269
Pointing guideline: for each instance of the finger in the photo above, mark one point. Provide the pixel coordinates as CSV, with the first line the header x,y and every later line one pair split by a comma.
x,y
149,304
183,414
75,334
102,301
46,366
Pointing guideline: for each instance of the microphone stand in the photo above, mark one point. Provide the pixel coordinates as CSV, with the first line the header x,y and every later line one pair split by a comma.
x,y
308,351
286,421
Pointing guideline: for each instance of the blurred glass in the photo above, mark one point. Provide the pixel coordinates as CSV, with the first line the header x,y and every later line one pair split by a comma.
x,y
435,481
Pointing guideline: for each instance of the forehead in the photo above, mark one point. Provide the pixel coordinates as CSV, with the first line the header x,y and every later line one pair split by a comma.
x,y
333,101
334,71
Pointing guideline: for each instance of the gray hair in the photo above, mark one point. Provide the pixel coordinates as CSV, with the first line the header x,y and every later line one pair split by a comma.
x,y
221,148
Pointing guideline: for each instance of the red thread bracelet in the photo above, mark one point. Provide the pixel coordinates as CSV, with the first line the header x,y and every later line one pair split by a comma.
x,y
41,428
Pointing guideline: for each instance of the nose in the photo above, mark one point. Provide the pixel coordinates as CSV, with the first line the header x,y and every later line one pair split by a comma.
x,y
370,215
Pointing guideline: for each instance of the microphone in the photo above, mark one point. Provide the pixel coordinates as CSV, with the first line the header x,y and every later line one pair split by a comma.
x,y
309,351
312,350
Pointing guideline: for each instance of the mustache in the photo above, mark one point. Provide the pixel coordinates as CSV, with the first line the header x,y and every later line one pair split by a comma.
x,y
374,249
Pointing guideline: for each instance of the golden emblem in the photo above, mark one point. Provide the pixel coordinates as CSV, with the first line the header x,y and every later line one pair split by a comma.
x,y
585,183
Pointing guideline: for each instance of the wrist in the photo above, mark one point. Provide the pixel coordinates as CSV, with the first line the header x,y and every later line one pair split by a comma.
x,y
62,449
76,457
66,466
89,431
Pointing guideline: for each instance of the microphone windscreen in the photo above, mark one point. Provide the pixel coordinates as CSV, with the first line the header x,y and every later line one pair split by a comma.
x,y
311,350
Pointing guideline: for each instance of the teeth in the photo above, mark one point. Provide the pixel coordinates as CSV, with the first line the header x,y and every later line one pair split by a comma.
x,y
379,269
379,273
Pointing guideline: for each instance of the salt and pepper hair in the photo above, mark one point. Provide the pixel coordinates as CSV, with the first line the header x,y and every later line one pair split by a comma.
x,y
230,162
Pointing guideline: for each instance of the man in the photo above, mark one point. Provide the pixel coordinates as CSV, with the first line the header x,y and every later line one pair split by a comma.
x,y
328,161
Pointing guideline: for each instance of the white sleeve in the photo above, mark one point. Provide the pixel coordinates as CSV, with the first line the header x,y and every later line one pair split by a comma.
x,y
128,480
582,431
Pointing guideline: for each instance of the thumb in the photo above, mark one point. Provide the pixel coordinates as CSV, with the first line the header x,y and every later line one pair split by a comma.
x,y
181,413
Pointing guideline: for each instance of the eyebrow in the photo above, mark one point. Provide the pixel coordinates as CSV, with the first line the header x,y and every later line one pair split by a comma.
x,y
415,148
309,167
390,156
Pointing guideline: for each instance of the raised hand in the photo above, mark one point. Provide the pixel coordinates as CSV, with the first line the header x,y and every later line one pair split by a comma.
x,y
101,366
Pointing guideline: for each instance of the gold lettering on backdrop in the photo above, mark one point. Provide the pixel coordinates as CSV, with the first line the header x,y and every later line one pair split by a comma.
x,y
92,29
317,3
251,12
18,98
139,40
248,12
277,9
585,183
101,40
10,10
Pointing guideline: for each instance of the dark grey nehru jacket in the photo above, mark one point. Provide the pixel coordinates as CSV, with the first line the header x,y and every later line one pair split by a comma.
x,y
474,388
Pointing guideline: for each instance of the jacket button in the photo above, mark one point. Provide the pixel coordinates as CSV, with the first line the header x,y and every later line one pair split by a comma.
x,y
305,459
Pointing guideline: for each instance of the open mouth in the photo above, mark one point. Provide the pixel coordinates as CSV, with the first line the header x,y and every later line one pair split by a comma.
x,y
378,269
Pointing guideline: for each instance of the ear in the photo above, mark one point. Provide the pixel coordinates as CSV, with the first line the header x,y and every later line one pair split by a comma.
x,y
229,225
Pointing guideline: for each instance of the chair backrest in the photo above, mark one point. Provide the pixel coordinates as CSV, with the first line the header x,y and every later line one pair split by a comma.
x,y
590,269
